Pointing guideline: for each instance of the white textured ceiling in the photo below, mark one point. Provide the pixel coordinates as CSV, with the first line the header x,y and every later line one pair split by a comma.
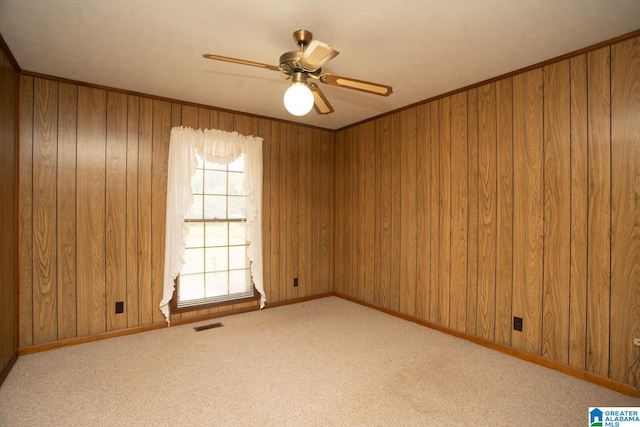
x,y
423,48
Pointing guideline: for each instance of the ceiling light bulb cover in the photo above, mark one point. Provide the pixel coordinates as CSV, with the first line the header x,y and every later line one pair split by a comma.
x,y
298,99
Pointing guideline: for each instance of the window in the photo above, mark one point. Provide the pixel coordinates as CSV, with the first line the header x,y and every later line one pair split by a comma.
x,y
217,267
215,146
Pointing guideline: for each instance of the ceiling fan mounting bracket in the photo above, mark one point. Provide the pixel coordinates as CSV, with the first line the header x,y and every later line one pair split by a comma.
x,y
302,37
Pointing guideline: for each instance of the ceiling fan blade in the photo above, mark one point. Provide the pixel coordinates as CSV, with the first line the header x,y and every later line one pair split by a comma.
x,y
240,61
316,55
320,102
349,83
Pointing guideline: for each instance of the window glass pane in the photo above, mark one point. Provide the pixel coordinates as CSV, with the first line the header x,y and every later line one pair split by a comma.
x,y
216,264
193,261
236,187
215,182
216,234
196,182
215,166
237,233
191,286
237,207
217,284
238,257
217,259
238,281
215,207
196,234
195,211
237,165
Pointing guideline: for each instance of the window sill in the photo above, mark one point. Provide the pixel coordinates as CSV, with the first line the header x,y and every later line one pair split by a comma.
x,y
176,310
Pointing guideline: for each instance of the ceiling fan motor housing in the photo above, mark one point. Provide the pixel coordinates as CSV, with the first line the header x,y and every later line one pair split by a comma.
x,y
289,62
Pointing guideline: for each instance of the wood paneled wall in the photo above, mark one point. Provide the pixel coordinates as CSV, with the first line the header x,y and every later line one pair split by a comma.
x,y
93,170
517,198
8,213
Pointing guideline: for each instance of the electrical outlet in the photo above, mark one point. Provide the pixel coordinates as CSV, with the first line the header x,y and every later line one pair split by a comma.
x,y
295,282
517,323
119,307
636,342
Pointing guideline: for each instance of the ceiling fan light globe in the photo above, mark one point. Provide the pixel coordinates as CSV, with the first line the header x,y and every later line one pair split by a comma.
x,y
298,99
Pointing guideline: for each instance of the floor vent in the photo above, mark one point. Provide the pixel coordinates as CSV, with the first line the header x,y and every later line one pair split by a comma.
x,y
209,326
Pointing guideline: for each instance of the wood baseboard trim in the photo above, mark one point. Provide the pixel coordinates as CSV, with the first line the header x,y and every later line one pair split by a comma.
x,y
538,360
7,369
23,351
298,300
130,331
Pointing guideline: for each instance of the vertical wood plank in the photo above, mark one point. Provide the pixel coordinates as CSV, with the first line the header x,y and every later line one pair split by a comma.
x,y
599,219
90,213
303,206
190,116
283,220
274,232
358,205
353,242
504,231
317,207
9,214
25,217
159,164
528,209
291,212
176,114
434,199
133,288
145,135
203,118
66,209
340,214
459,212
214,118
445,212
423,211
487,241
625,196
368,209
226,121
472,246
385,206
6,164
348,212
408,211
116,208
45,153
327,216
557,212
579,210
396,211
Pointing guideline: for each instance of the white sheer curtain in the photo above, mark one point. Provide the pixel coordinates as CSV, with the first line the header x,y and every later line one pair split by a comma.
x,y
213,146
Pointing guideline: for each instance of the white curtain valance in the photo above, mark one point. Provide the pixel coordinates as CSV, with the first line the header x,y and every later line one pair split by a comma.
x,y
221,147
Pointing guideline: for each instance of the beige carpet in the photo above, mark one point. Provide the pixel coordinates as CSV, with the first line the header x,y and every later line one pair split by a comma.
x,y
323,362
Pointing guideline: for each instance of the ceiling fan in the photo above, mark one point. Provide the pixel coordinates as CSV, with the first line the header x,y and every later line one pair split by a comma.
x,y
304,64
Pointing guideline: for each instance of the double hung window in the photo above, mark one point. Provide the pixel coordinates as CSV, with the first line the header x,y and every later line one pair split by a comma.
x,y
216,267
